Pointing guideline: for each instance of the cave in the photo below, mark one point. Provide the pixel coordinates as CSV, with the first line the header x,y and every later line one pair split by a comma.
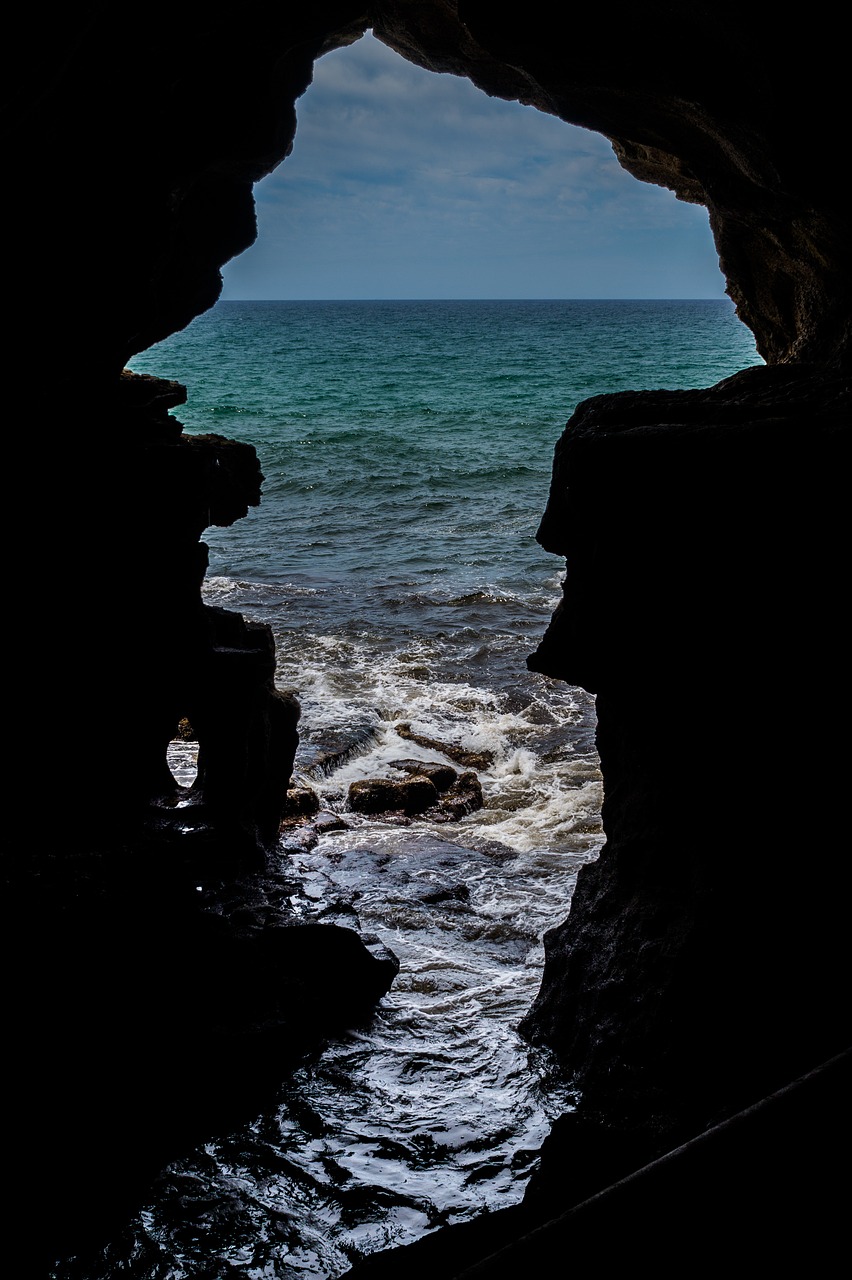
x,y
703,530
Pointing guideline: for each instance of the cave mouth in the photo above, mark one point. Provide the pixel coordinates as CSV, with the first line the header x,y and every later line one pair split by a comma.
x,y
182,755
151,223
406,446
395,447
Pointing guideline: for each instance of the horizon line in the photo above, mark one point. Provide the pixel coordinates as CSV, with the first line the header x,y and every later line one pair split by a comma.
x,y
714,298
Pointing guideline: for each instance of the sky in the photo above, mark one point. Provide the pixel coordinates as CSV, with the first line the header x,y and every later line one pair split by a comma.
x,y
407,184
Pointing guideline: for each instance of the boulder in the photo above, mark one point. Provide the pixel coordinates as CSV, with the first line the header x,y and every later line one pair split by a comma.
x,y
442,775
384,795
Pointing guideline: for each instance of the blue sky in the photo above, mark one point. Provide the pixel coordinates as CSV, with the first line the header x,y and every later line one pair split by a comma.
x,y
407,184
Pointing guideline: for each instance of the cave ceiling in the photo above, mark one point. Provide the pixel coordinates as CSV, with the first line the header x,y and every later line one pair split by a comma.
x,y
155,133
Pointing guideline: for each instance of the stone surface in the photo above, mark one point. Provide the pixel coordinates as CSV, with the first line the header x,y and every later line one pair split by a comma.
x,y
685,980
302,802
435,791
442,776
461,755
387,795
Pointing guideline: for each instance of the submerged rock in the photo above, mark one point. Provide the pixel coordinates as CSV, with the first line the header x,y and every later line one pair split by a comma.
x,y
461,755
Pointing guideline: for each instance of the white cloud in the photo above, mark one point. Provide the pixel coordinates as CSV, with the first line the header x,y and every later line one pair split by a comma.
x,y
406,183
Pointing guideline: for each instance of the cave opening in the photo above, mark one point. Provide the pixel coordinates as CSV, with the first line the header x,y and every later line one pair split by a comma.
x,y
540,340
394,557
159,990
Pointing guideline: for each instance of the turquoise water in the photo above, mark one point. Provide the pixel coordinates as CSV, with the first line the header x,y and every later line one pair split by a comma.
x,y
415,438
407,450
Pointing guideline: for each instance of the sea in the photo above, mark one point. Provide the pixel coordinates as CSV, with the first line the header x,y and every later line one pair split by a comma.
x,y
406,448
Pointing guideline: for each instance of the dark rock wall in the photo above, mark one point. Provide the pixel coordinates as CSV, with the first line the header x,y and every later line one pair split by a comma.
x,y
704,532
702,960
152,654
149,135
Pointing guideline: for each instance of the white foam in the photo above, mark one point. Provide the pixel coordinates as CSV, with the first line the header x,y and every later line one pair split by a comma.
x,y
530,802
182,759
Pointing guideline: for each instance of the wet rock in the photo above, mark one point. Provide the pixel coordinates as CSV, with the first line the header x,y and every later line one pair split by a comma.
x,y
465,796
302,802
339,909
325,822
447,893
299,839
442,775
246,728
338,746
431,789
301,835
468,759
384,795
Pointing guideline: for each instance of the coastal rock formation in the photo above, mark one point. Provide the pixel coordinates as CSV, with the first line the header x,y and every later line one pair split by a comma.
x,y
705,532
435,790
386,795
162,983
700,719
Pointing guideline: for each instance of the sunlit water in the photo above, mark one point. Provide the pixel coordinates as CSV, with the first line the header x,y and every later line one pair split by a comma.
x,y
407,451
